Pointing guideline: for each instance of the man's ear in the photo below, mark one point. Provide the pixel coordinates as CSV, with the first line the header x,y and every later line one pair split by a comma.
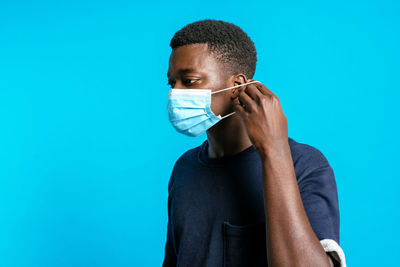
x,y
238,80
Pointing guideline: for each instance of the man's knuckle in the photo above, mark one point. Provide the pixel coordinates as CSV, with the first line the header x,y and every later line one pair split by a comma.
x,y
263,100
274,98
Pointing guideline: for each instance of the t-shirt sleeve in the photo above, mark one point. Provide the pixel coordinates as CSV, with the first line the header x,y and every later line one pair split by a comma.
x,y
318,191
169,254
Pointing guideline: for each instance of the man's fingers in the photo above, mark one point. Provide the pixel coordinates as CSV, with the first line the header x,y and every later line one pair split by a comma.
x,y
253,92
239,109
251,95
246,100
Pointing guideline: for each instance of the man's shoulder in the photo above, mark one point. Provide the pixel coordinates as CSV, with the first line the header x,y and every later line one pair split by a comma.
x,y
190,155
185,162
306,156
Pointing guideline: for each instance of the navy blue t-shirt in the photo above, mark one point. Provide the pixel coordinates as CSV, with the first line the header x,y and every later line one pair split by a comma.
x,y
216,213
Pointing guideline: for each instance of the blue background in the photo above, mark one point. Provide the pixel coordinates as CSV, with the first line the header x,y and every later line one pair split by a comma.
x,y
86,148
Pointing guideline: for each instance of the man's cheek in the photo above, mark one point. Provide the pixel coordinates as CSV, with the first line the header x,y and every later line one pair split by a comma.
x,y
219,105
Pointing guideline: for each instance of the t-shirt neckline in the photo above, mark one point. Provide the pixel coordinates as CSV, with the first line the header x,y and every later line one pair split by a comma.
x,y
221,161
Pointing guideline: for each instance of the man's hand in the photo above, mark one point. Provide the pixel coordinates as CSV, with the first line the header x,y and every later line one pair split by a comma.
x,y
262,114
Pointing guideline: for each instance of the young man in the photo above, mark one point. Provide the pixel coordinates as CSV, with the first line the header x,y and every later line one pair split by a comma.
x,y
249,195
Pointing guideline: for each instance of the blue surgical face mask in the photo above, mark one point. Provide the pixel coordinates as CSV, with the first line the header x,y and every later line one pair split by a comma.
x,y
189,110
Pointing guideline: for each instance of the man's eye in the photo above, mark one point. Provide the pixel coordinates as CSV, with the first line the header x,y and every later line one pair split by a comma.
x,y
188,82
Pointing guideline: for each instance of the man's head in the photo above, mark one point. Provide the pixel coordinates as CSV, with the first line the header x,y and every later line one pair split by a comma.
x,y
211,54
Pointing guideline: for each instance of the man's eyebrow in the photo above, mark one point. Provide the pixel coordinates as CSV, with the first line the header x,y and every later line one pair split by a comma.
x,y
183,71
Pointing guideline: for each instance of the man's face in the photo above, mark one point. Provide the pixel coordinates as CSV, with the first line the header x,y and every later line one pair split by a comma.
x,y
193,67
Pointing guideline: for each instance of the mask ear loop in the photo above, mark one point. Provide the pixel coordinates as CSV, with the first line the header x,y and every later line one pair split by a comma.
x,y
229,88
226,116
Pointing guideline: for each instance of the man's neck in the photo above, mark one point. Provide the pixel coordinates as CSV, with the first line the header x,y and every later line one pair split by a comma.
x,y
228,137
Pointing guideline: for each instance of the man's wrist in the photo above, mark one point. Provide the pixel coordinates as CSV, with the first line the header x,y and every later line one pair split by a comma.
x,y
278,148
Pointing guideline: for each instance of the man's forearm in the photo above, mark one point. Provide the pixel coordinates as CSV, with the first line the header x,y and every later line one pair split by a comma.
x,y
291,240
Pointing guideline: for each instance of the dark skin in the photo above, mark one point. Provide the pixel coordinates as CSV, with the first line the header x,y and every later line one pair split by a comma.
x,y
259,121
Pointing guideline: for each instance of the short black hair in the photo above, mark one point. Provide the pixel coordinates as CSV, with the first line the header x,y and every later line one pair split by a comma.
x,y
226,41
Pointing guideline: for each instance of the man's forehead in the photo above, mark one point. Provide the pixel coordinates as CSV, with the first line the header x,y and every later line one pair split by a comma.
x,y
189,55
190,58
